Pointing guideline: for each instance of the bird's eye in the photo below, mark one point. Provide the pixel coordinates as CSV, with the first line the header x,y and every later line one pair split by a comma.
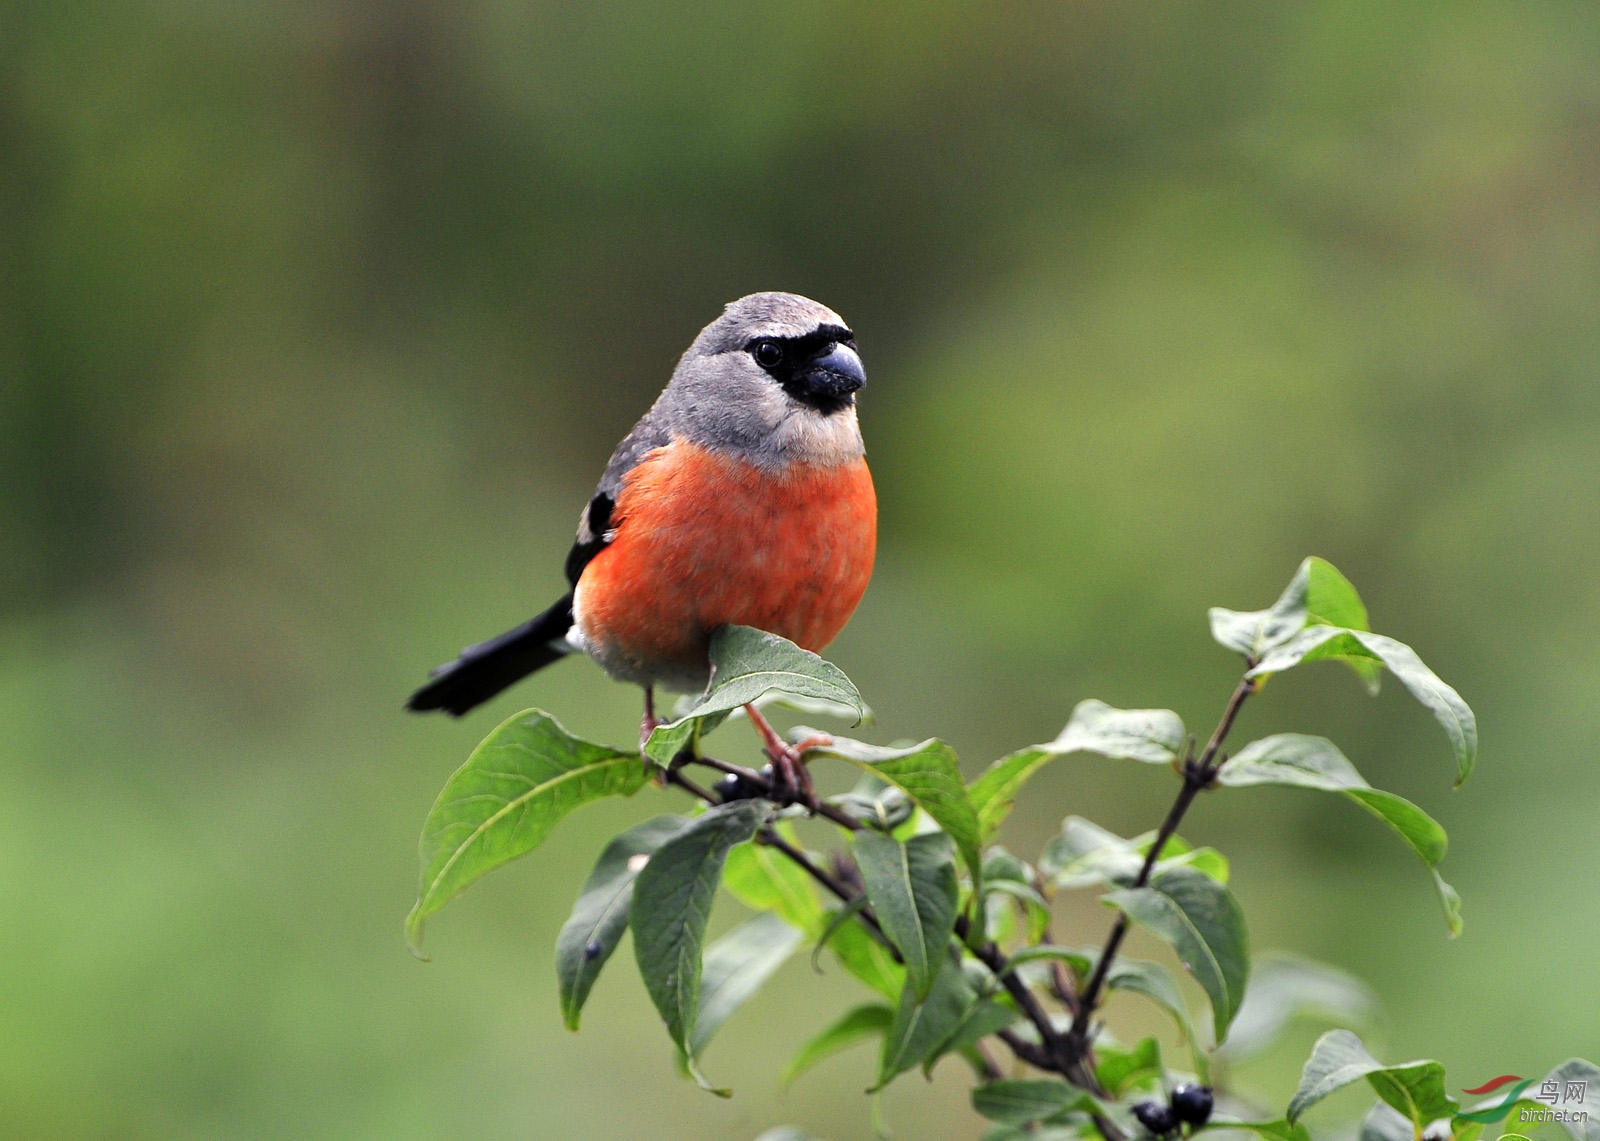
x,y
768,354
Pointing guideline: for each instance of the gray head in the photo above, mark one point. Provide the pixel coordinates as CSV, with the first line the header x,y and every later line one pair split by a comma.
x,y
773,379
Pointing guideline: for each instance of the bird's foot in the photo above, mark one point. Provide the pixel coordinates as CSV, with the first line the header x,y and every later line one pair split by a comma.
x,y
649,722
790,776
647,726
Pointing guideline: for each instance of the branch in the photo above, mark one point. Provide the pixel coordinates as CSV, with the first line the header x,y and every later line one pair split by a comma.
x,y
1052,1058
770,837
683,782
1197,775
1035,1056
1055,1056
775,792
838,887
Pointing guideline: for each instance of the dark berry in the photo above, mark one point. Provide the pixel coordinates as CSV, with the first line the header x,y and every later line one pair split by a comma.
x,y
1155,1117
1191,1104
735,787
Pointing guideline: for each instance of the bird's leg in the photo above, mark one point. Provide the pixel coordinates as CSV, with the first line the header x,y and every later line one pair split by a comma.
x,y
787,765
647,725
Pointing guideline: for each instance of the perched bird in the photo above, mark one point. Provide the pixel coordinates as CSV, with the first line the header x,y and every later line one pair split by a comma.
x,y
742,498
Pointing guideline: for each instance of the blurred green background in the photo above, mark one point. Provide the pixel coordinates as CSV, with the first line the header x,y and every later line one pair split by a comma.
x,y
319,320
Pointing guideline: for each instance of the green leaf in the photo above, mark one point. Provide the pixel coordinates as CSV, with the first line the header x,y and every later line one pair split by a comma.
x,y
983,1018
999,864
667,741
1005,874
600,915
1087,855
920,1028
1069,858
870,1020
994,793
1335,1061
1151,735
1080,959
1416,1089
1154,736
1020,1101
1033,905
1317,595
515,787
1152,981
764,879
752,667
1255,632
1452,713
837,919
913,891
671,906
1383,1122
809,706
1207,861
1285,987
860,953
1119,1070
1330,598
1401,660
1205,925
1315,762
736,966
929,774
875,803
747,664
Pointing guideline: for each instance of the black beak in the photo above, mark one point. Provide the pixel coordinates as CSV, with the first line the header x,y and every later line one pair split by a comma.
x,y
835,375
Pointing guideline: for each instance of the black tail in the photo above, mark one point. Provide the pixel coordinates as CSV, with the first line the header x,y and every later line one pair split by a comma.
x,y
485,669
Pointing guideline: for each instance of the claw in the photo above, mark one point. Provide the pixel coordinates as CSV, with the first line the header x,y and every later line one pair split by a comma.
x,y
788,768
815,741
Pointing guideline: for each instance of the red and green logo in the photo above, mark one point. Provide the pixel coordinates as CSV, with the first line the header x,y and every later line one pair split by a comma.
x,y
1497,1112
1555,1089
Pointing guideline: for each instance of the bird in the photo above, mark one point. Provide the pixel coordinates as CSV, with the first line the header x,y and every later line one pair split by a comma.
x,y
742,497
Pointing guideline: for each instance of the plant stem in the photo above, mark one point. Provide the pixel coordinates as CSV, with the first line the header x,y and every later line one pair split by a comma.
x,y
1057,1055
1035,1056
683,782
771,838
1197,775
770,790
1244,689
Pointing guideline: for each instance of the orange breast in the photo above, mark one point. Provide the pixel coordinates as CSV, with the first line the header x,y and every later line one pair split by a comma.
x,y
703,540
